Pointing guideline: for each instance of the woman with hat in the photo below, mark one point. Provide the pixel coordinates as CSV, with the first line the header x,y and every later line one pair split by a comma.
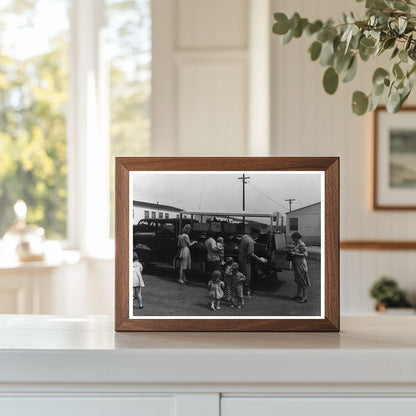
x,y
300,268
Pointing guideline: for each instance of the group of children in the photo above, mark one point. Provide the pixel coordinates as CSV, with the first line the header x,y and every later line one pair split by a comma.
x,y
228,285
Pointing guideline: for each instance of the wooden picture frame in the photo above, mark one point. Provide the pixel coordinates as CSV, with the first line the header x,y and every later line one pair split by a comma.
x,y
131,173
394,146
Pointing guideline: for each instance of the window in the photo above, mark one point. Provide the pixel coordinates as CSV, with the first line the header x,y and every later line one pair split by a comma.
x,y
293,224
153,214
167,215
33,107
59,134
146,214
167,228
160,214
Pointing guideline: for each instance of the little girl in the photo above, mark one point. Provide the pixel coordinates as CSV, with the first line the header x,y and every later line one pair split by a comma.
x,y
216,293
227,280
237,285
220,246
138,282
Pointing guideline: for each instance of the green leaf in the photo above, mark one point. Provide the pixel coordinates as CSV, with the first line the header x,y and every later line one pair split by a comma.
x,y
327,53
367,42
359,103
395,52
402,24
330,80
281,27
376,4
298,30
378,89
288,37
393,101
379,75
397,71
403,56
314,27
315,50
366,53
374,101
389,43
341,61
351,71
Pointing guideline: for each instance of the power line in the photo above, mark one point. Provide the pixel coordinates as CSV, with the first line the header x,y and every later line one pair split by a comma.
x,y
266,196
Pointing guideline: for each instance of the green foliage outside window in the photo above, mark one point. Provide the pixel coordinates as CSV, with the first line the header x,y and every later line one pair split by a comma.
x,y
33,99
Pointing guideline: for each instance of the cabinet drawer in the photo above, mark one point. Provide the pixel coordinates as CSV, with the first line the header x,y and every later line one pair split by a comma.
x,y
87,406
273,406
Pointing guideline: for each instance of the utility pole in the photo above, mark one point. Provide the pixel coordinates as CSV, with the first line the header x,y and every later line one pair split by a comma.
x,y
244,178
290,200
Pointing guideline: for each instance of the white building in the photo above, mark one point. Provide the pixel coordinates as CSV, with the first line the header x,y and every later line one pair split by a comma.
x,y
143,210
306,221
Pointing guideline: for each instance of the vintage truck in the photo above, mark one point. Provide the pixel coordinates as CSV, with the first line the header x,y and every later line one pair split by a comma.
x,y
155,240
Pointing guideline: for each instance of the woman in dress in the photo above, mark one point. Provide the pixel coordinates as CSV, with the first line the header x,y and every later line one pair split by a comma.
x,y
184,253
300,268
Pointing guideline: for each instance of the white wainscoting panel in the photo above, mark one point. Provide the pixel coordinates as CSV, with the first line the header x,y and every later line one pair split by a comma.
x,y
206,24
212,107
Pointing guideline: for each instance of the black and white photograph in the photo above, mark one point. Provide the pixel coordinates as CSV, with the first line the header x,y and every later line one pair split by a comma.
x,y
226,244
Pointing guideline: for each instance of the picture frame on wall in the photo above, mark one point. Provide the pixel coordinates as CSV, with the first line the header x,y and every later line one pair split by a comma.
x,y
394,152
227,244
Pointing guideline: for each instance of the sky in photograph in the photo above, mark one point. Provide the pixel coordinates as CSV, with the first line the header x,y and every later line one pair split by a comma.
x,y
223,192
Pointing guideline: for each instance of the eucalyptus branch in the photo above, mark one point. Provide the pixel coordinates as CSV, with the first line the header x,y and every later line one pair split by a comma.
x,y
389,25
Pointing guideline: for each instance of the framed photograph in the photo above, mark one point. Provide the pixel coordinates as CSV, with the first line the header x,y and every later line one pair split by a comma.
x,y
394,180
227,244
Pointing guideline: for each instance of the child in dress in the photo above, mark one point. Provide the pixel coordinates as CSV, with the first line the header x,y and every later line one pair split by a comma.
x,y
227,280
138,282
237,285
220,246
215,286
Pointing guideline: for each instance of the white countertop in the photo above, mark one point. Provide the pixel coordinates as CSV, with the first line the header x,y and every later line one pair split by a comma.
x,y
53,349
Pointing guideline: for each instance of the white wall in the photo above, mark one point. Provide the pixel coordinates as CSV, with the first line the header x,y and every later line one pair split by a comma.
x,y
215,88
211,79
308,122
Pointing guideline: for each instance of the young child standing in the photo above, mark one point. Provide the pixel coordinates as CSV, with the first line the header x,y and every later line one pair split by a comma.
x,y
227,280
215,287
138,282
220,246
237,284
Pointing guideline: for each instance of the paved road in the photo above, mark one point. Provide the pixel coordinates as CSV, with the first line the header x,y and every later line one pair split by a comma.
x,y
164,296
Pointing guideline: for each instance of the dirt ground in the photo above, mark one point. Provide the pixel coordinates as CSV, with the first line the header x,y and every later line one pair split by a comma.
x,y
164,296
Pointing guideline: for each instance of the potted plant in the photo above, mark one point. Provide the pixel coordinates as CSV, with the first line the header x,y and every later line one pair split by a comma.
x,y
389,27
387,294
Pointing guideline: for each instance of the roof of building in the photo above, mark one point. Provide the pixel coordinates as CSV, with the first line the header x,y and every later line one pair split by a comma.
x,y
300,209
156,206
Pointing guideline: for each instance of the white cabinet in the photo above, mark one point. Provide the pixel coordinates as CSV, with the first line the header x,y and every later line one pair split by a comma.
x,y
88,406
51,365
324,406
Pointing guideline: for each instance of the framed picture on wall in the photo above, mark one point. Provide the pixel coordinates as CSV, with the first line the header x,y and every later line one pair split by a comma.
x,y
227,244
394,179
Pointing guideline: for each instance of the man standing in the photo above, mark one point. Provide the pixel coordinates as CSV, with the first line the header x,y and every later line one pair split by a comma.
x,y
247,256
213,254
